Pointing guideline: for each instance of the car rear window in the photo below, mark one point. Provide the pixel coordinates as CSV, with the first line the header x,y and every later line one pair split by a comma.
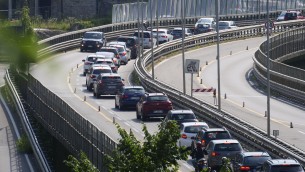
x,y
194,129
223,24
109,50
227,147
120,49
129,41
91,59
254,160
111,78
146,35
93,35
177,32
157,98
183,116
286,168
134,90
217,135
98,71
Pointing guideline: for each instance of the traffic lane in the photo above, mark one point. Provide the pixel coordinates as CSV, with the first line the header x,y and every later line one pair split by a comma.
x,y
240,93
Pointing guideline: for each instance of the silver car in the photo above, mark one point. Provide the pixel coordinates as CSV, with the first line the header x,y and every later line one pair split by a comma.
x,y
189,130
226,25
121,43
122,52
89,61
94,72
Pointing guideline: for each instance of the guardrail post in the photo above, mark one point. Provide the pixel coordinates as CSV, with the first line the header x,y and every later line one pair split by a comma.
x,y
243,104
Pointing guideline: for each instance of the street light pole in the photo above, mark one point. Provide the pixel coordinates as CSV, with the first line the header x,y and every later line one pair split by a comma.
x,y
218,56
183,35
152,43
138,48
268,72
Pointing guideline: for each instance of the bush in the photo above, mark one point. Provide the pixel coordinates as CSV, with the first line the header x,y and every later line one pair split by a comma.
x,y
23,145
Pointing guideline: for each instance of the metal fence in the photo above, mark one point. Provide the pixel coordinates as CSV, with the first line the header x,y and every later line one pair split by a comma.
x,y
197,8
289,80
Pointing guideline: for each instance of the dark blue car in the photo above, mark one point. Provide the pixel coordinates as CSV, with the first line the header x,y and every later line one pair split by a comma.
x,y
128,96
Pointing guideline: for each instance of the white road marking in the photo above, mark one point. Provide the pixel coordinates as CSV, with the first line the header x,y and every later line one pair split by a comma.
x,y
126,123
302,132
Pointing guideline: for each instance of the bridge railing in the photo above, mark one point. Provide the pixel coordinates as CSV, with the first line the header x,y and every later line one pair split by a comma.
x,y
286,79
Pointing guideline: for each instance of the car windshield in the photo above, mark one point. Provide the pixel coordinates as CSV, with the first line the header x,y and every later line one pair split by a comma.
x,y
218,135
98,71
134,90
194,129
286,168
223,24
227,147
146,35
255,160
92,35
129,41
183,116
157,98
282,14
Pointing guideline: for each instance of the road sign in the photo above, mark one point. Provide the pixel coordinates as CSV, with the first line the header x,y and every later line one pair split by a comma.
x,y
191,66
271,24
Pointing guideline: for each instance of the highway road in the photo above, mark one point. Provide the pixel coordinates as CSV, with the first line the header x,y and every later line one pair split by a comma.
x,y
244,98
62,74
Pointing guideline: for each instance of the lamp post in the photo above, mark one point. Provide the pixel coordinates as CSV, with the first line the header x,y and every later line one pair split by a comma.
x,y
218,56
183,35
268,72
152,43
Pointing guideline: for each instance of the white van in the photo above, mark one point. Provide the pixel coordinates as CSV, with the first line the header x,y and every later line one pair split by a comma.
x,y
147,38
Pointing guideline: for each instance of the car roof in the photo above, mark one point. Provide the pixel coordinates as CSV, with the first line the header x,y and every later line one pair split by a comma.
x,y
110,74
215,129
155,94
131,37
133,86
187,124
255,154
104,53
101,67
283,162
181,111
95,55
160,29
117,42
221,141
104,60
117,45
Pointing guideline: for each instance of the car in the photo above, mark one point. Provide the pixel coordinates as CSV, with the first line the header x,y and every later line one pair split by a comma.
x,y
107,84
226,25
92,41
290,15
108,62
94,72
281,165
123,53
204,25
114,43
113,50
132,43
177,32
110,55
89,61
181,116
153,105
189,130
217,149
163,35
249,161
207,134
148,39
128,96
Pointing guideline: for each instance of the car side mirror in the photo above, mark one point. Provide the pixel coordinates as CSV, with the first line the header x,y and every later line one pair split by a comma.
x,y
83,60
123,79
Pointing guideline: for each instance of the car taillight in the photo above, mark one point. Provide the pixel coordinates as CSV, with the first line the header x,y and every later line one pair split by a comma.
x,y
124,96
244,168
184,136
215,154
92,76
118,56
124,53
203,142
164,36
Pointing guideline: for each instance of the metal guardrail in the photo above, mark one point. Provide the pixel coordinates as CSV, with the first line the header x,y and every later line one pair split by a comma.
x,y
41,159
242,130
91,139
288,80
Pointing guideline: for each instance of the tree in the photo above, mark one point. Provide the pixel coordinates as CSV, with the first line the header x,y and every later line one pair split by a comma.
x,y
82,164
158,152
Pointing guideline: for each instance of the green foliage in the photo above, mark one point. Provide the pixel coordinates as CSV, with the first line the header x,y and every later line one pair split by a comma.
x,y
226,165
23,145
82,164
157,152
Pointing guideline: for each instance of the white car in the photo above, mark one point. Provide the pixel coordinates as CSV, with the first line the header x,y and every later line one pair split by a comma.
x,y
122,52
89,61
189,130
147,39
163,35
226,25
123,44
109,55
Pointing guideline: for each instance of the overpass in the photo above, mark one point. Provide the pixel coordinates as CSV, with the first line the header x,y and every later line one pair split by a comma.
x,y
78,133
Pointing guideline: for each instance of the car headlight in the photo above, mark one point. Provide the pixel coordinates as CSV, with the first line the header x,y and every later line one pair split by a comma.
x,y
83,42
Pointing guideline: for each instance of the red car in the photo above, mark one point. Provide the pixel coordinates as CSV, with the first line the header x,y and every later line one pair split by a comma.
x,y
153,105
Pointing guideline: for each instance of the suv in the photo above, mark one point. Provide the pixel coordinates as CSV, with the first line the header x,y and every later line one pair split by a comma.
x,y
177,32
181,116
249,161
279,165
153,105
290,15
217,149
147,38
131,43
89,61
92,41
207,134
94,72
204,25
107,84
115,43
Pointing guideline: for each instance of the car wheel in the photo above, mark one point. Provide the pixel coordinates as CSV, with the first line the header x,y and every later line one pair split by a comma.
x,y
115,104
89,88
94,93
138,116
81,50
121,107
144,118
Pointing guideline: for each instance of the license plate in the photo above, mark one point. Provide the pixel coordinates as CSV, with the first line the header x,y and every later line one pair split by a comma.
x,y
111,86
89,45
158,111
135,98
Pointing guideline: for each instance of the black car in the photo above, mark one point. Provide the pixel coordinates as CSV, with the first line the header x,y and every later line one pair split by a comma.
x,y
92,41
181,116
249,161
132,43
107,84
